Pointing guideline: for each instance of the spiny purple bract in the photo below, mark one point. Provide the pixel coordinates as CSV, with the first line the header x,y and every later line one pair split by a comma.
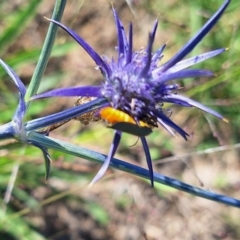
x,y
136,85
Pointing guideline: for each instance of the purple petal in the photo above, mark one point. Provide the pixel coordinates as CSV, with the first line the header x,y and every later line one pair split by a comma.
x,y
112,151
122,39
196,38
152,36
171,124
92,53
149,160
146,68
192,61
157,55
192,73
171,99
86,91
178,98
130,39
160,121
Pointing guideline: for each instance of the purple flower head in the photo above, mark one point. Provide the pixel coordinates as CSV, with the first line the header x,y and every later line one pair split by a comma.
x,y
137,86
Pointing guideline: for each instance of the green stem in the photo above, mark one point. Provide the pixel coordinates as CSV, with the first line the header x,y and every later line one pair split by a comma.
x,y
46,50
74,150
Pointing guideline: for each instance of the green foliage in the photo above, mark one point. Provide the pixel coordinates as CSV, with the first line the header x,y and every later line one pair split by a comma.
x,y
15,23
221,92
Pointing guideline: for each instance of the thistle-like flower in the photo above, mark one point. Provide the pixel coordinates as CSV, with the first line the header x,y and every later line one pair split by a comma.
x,y
136,87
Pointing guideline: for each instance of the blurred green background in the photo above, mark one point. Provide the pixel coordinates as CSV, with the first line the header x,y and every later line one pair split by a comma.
x,y
121,206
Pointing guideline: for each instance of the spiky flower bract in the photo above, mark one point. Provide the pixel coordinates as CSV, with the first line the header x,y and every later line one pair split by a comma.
x,y
135,84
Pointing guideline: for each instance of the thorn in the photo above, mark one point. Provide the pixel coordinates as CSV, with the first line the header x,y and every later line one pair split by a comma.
x,y
225,120
47,18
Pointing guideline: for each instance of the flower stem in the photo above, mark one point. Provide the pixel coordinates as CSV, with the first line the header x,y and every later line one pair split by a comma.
x,y
46,51
78,151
